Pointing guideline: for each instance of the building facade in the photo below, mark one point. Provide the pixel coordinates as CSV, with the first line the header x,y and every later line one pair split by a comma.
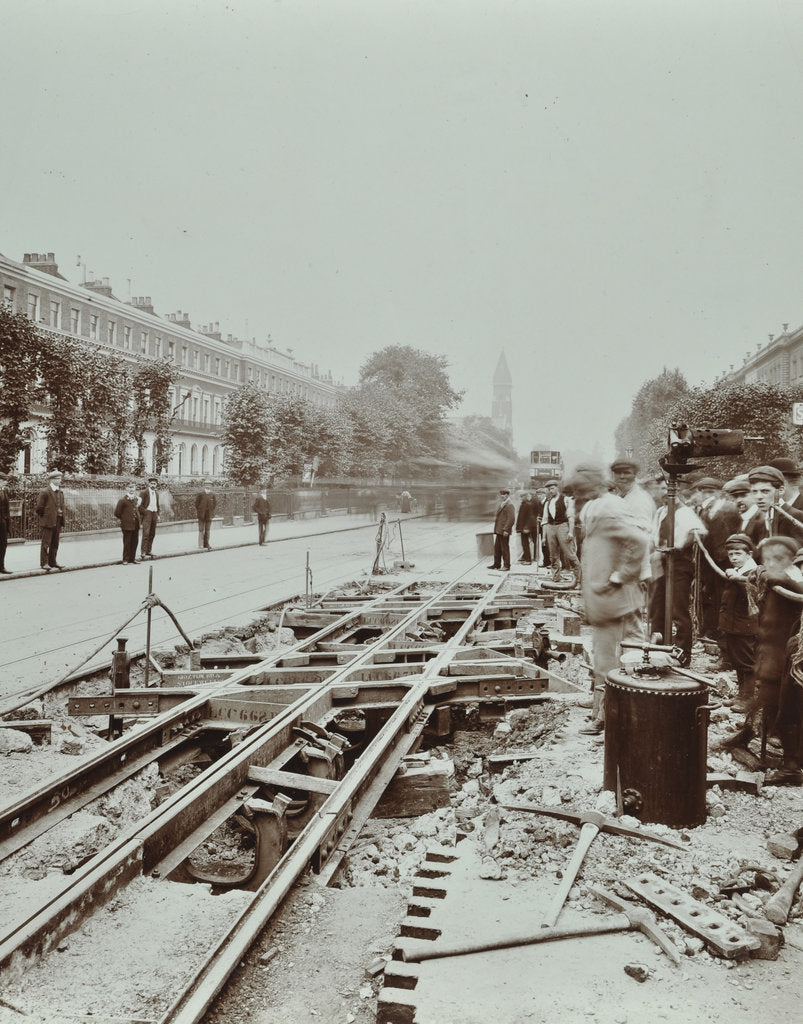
x,y
780,361
211,367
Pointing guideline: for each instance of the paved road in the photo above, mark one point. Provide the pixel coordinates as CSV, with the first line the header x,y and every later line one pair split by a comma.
x,y
52,622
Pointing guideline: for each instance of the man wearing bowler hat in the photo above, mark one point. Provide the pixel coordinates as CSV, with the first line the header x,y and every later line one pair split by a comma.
x,y
50,510
791,474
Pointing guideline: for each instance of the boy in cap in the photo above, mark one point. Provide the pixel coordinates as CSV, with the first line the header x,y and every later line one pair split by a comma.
x,y
503,526
737,622
778,622
50,510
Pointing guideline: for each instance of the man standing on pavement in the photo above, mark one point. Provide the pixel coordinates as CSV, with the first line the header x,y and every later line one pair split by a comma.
x,y
558,525
527,520
503,526
5,520
149,515
127,511
721,518
262,508
613,551
50,510
205,505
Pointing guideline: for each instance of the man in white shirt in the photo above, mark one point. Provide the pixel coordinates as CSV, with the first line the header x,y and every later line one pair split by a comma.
x,y
148,514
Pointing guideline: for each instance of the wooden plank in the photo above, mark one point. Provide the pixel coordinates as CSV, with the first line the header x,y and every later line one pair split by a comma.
x,y
416,791
291,780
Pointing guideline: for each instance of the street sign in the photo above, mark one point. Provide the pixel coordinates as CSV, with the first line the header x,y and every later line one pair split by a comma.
x,y
797,414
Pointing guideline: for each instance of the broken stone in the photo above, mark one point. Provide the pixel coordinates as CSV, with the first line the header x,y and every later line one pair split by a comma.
x,y
266,958
771,938
638,971
782,846
694,945
490,870
12,741
550,796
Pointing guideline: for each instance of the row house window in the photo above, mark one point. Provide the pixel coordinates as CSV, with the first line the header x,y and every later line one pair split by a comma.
x,y
93,326
217,367
127,340
33,307
185,355
250,373
143,341
206,411
171,350
111,331
195,360
157,346
207,358
228,368
8,295
55,313
75,321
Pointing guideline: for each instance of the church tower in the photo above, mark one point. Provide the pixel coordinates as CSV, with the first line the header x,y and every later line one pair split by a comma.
x,y
502,405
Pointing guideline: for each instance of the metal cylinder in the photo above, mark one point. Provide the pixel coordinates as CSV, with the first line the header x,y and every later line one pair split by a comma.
x,y
656,737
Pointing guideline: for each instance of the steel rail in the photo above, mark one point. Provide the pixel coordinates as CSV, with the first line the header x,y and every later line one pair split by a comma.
x,y
335,819
148,841
61,796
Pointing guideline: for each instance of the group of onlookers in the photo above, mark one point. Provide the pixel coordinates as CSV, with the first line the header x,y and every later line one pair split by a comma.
x,y
736,560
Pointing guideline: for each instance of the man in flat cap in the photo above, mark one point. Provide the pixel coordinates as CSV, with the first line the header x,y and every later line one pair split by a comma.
x,y
738,489
503,527
641,506
558,527
613,551
778,519
50,510
791,474
721,519
5,521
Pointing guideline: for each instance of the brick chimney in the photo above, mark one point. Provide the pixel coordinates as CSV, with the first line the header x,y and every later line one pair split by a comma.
x,y
212,331
44,261
142,303
101,287
180,319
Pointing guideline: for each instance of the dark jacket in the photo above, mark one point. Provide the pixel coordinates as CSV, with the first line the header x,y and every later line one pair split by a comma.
x,y
4,509
262,507
528,515
734,611
127,512
505,518
778,619
721,519
205,505
48,505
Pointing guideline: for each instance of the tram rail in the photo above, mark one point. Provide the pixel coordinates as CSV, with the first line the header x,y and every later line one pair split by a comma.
x,y
368,658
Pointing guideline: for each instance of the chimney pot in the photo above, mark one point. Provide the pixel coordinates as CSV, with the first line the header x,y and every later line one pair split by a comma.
x,y
51,256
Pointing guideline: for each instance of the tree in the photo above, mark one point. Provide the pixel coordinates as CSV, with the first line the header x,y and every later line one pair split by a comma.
x,y
649,415
151,384
19,368
62,386
246,414
106,412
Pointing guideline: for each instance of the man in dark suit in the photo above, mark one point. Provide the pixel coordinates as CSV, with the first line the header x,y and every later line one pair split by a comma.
x,y
50,510
527,525
721,518
503,527
127,511
4,523
205,505
149,515
262,508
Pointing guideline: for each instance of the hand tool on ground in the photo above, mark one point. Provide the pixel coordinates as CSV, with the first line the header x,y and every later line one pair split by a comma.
x,y
777,907
591,822
630,917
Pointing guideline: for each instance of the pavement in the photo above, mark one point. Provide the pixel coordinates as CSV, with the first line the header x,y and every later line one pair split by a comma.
x,y
90,550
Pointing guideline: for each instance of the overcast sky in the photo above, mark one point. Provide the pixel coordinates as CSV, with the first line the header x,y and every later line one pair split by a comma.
x,y
598,187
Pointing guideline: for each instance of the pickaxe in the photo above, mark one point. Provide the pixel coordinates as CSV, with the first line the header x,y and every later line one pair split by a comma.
x,y
591,822
629,917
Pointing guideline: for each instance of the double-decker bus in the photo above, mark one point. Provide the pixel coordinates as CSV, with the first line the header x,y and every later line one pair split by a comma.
x,y
545,464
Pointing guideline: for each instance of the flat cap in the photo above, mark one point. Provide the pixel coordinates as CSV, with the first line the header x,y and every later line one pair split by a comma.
x,y
787,466
740,540
552,483
739,485
153,479
504,490
624,464
55,473
708,483
766,474
785,542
